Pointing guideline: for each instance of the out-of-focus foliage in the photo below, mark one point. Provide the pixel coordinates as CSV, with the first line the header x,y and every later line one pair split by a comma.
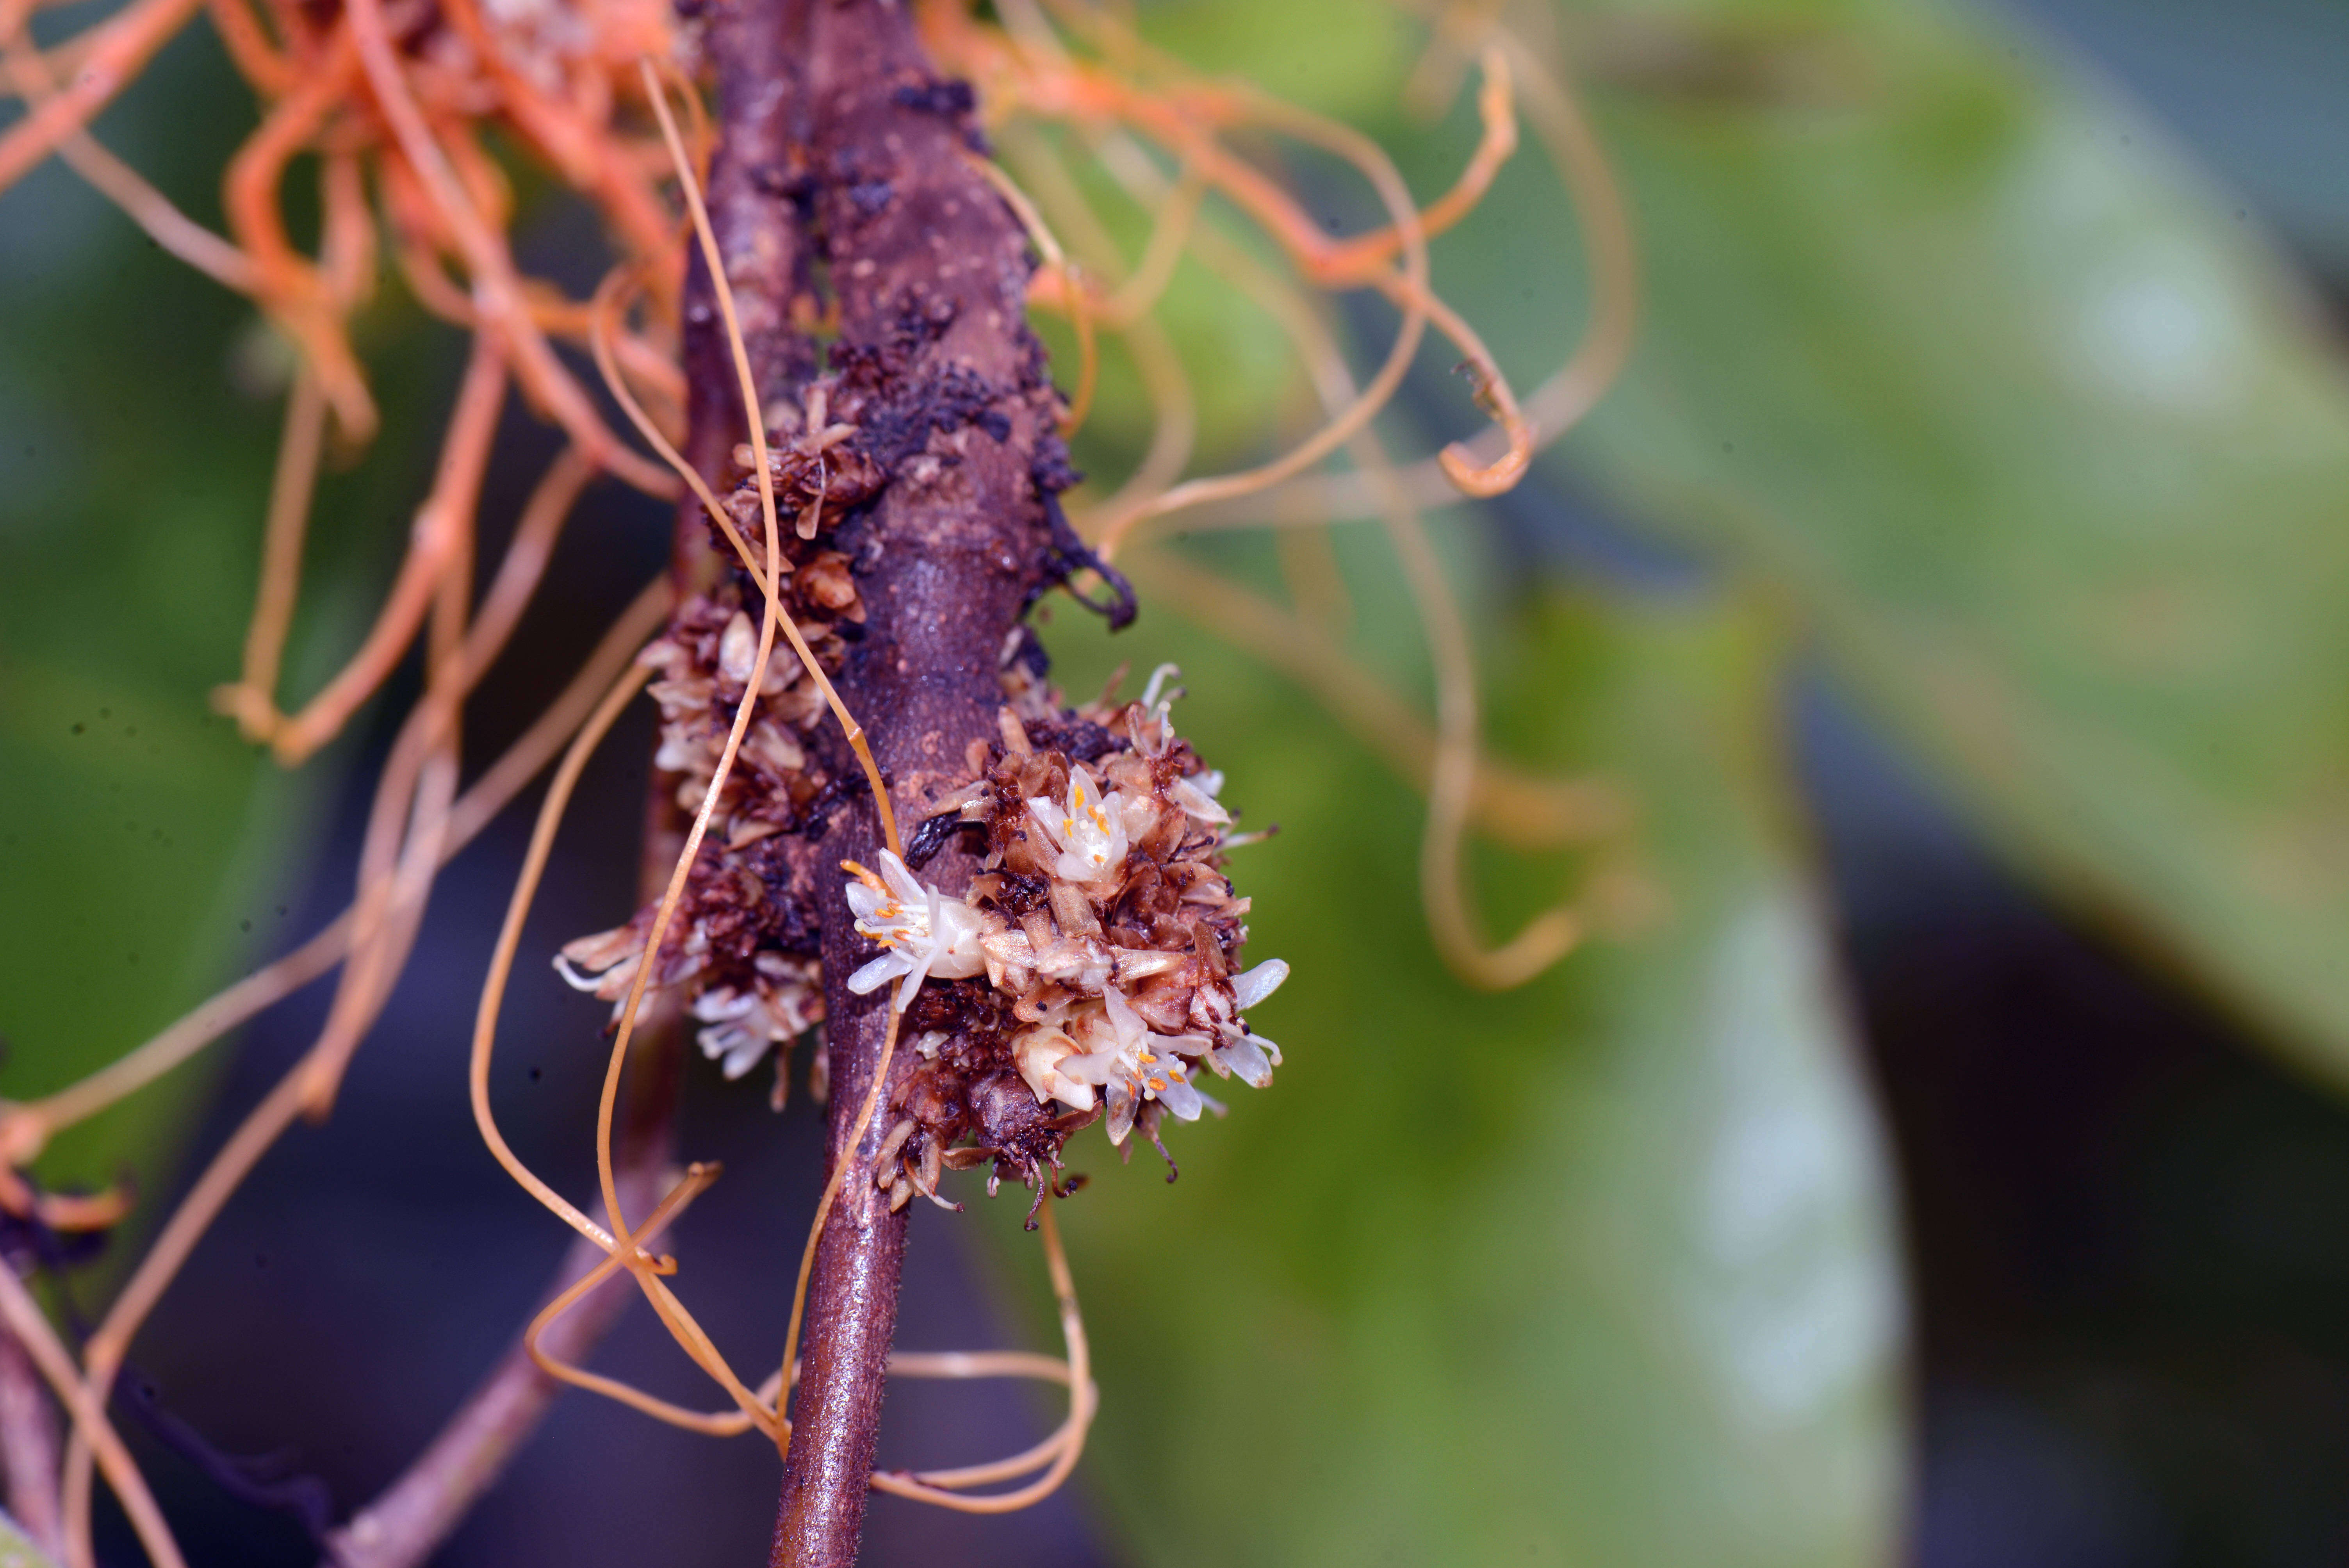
x,y
1955,351
1962,360
1601,1270
1955,357
143,841
1943,355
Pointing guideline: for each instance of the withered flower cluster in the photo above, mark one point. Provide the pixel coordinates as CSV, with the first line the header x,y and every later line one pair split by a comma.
x,y
1089,973
744,940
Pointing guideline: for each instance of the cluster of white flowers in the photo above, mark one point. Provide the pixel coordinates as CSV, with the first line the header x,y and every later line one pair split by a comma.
x,y
1089,970
1089,1043
744,1023
1111,1013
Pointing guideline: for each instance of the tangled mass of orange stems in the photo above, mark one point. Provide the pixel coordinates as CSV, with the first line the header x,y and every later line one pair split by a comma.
x,y
394,107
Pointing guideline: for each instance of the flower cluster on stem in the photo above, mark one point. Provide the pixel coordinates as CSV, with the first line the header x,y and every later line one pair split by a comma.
x,y
1094,963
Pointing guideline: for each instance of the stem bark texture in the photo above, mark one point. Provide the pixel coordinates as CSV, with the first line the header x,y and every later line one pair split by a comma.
x,y
845,157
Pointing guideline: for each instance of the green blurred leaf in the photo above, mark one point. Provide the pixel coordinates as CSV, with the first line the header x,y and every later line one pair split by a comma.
x,y
145,849
1965,361
1599,1271
131,842
1231,355
1341,62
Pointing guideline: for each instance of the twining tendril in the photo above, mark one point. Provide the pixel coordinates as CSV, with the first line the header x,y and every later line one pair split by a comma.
x,y
407,124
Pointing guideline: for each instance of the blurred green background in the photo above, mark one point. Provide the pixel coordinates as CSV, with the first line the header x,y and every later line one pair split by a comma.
x,y
1946,1169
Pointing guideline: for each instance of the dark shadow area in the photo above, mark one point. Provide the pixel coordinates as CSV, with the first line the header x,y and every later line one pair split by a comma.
x,y
2128,1264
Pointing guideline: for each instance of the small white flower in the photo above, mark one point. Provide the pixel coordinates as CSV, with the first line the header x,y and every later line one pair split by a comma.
x,y
744,1025
1109,1044
738,648
603,965
925,932
1197,802
1039,1053
738,655
1090,833
1167,1080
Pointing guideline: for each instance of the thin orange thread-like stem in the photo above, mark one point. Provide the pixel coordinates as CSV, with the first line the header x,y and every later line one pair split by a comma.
x,y
1147,284
1063,1449
772,611
257,56
578,149
673,1314
1380,170
1562,400
87,1413
497,291
252,701
1071,295
1550,935
848,1158
108,56
294,290
1363,255
493,987
153,212
623,1250
723,1423
443,529
24,1129
385,929
1514,806
1559,403
850,728
1174,426
384,926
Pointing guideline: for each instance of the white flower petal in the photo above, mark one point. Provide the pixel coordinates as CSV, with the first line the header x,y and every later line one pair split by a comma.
x,y
915,975
738,648
958,931
1048,818
901,881
575,979
1124,1101
723,1003
747,1054
1243,1057
1126,1024
1179,1097
1253,985
1093,1066
1197,801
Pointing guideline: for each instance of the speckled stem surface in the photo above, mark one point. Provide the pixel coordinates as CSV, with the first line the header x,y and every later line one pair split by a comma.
x,y
862,163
